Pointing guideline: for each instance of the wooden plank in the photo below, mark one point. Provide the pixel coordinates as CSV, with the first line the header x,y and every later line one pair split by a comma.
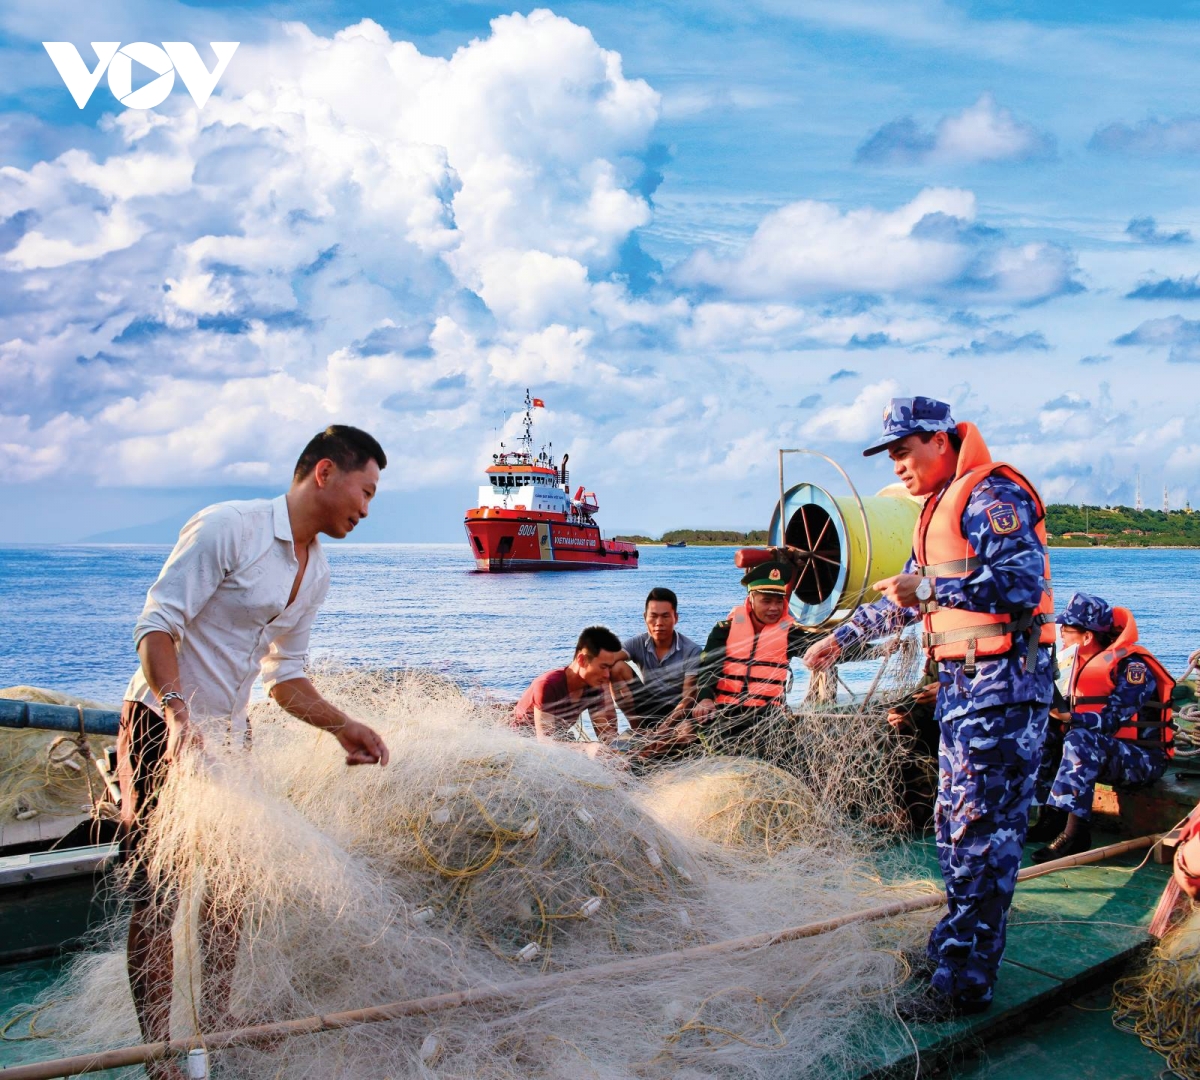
x,y
37,830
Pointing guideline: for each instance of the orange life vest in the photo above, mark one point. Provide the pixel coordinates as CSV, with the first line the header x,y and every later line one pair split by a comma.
x,y
941,550
755,670
1093,682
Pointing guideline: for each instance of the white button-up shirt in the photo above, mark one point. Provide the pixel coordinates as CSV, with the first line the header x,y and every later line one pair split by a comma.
x,y
223,597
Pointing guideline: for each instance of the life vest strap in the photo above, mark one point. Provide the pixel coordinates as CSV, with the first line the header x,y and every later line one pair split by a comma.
x,y
953,567
966,633
1026,621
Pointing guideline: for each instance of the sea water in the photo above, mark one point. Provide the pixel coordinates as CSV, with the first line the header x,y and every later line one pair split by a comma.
x,y
68,611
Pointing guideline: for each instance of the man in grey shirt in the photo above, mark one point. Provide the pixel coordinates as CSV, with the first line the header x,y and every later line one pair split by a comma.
x,y
658,705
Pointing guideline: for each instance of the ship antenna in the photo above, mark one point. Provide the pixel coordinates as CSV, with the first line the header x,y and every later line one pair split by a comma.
x,y
527,438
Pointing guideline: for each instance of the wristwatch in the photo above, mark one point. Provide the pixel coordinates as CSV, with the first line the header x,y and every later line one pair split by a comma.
x,y
925,590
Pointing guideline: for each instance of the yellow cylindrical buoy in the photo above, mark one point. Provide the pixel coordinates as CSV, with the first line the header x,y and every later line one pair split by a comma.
x,y
849,543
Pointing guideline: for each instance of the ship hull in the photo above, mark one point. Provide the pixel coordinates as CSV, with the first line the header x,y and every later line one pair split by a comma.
x,y
511,540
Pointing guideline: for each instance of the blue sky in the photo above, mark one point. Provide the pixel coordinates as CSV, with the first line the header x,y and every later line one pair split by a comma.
x,y
699,232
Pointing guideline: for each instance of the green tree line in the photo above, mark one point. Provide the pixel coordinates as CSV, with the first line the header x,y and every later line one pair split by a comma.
x,y
1067,525
1121,526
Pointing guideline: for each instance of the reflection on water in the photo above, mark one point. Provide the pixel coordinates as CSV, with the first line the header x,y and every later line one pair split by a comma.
x,y
69,611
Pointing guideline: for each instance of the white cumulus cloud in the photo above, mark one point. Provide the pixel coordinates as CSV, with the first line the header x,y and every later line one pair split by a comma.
x,y
982,133
856,422
349,228
927,247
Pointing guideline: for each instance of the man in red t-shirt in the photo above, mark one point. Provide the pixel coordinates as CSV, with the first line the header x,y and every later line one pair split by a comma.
x,y
556,701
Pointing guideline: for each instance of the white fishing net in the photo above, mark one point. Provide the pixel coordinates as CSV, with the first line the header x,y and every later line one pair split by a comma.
x,y
481,857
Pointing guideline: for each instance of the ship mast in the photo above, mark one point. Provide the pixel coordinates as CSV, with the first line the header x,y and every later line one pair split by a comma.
x,y
527,423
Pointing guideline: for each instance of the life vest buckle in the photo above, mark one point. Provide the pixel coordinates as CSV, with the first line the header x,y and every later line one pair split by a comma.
x,y
969,659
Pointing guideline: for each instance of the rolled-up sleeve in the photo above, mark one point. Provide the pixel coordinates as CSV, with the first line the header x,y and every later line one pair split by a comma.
x,y
204,554
287,657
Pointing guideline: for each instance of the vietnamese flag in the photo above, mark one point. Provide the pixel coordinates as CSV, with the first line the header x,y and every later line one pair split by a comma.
x,y
538,403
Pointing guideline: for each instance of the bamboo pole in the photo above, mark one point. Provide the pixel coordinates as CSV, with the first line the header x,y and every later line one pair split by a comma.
x,y
523,988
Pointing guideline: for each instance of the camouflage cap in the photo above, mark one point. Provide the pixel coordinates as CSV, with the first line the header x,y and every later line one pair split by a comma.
x,y
772,576
1088,612
906,416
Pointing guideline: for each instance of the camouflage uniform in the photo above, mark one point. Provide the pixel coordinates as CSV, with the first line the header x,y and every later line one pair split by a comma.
x,y
992,727
1088,751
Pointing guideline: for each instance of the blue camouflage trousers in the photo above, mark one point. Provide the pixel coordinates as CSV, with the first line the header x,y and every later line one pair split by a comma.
x,y
988,760
1072,765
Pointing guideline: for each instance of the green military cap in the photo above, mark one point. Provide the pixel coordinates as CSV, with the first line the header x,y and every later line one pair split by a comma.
x,y
772,576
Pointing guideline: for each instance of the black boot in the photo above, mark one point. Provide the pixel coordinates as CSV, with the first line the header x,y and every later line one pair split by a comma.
x,y
1050,822
1073,840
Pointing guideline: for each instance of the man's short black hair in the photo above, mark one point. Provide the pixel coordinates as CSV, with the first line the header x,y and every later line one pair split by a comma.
x,y
662,594
347,447
954,437
597,639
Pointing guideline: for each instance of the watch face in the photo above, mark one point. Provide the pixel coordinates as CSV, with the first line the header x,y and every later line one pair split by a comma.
x,y
924,589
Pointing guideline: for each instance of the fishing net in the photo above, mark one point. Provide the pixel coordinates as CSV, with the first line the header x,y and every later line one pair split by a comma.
x,y
1159,1004
43,773
480,857
838,742
740,803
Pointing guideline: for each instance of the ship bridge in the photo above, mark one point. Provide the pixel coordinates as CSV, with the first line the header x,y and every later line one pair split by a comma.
x,y
529,487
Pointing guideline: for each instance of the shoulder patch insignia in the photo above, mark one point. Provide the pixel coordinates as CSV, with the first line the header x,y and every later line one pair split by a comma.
x,y
1135,673
1004,518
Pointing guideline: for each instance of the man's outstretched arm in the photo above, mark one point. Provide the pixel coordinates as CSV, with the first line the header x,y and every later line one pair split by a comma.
x,y
362,744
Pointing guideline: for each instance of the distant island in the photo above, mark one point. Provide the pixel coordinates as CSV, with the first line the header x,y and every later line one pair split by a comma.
x,y
1066,526
704,538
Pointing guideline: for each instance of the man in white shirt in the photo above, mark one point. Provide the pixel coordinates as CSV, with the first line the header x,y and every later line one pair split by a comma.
x,y
236,598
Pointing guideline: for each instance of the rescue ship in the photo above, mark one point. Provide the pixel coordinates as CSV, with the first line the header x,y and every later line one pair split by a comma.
x,y
528,520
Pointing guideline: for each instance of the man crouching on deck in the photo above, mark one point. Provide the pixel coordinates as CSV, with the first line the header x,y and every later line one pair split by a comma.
x,y
237,596
554,704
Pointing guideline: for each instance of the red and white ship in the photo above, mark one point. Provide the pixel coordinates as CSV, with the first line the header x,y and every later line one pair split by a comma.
x,y
527,520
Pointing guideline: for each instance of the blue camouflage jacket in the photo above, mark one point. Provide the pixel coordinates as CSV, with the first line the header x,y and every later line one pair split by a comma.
x,y
1125,700
1009,579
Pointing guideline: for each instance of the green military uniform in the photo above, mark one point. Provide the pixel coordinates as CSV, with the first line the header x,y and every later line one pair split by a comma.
x,y
747,728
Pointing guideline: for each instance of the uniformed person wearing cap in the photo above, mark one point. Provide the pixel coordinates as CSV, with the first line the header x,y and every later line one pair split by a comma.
x,y
1115,725
979,580
745,667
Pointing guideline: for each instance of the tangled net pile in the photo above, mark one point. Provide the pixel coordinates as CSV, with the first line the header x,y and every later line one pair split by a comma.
x,y
44,773
478,857
740,803
1159,1004
845,752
